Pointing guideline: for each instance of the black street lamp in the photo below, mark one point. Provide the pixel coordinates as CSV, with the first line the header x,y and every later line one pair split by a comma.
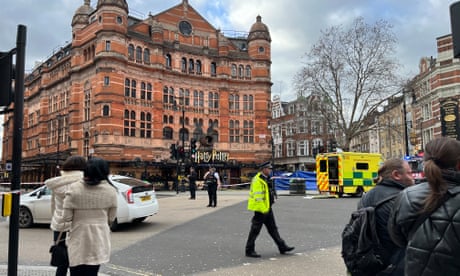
x,y
59,116
406,134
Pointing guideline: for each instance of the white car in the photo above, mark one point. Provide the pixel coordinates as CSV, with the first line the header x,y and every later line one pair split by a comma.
x,y
136,201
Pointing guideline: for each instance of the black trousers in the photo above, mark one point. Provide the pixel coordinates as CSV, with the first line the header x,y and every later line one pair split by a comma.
x,y
192,189
212,194
60,270
84,270
257,222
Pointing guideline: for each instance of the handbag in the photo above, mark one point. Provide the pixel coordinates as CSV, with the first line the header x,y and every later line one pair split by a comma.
x,y
59,255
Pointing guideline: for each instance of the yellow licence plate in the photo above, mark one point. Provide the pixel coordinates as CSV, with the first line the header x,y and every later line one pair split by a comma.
x,y
145,198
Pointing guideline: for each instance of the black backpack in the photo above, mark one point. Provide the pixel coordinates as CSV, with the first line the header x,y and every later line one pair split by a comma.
x,y
361,245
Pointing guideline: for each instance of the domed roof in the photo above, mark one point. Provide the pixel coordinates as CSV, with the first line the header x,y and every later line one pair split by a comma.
x,y
120,3
259,30
82,13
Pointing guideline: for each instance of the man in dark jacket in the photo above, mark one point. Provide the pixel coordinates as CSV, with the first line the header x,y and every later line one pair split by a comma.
x,y
393,176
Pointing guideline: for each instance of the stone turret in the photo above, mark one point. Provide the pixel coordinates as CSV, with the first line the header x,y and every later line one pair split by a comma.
x,y
259,31
81,17
118,3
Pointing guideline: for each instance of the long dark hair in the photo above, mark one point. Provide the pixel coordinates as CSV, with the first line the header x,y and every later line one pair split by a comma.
x,y
97,169
440,154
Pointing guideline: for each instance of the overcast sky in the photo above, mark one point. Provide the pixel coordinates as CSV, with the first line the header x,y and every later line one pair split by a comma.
x,y
294,26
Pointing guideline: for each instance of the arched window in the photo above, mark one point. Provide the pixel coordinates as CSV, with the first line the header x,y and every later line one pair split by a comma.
x,y
127,87
146,56
233,70
241,71
138,54
149,91
105,110
198,67
184,65
191,65
131,52
133,88
248,71
143,92
168,61
213,69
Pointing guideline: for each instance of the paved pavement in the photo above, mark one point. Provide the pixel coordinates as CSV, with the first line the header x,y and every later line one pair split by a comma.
x,y
175,210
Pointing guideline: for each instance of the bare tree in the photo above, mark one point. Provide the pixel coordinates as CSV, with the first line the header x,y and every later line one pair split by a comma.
x,y
354,72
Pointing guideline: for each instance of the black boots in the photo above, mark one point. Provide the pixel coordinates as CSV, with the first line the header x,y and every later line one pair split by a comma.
x,y
252,254
284,249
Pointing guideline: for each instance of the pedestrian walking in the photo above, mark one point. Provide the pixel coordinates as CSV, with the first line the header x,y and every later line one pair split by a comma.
x,y
393,176
192,182
72,171
261,200
90,206
425,219
212,181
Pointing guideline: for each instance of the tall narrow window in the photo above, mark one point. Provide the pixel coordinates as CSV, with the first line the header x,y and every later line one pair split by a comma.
x,y
87,103
248,132
107,45
213,69
234,128
233,70
127,87
133,88
131,52
149,91
138,54
240,71
146,56
248,71
198,67
143,92
168,61
105,110
184,65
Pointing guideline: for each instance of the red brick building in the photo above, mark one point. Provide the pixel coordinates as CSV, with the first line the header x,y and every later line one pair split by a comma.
x,y
124,87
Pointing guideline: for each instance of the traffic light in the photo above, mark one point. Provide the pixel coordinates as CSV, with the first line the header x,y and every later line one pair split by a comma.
x,y
173,151
181,152
192,148
333,145
6,77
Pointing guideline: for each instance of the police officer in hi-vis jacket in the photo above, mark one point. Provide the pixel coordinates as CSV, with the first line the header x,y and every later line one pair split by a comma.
x,y
261,199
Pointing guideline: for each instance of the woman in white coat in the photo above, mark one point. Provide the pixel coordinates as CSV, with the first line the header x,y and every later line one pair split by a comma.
x,y
90,206
72,171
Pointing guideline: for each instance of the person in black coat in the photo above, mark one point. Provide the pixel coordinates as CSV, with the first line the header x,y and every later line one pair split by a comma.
x,y
393,176
192,182
432,248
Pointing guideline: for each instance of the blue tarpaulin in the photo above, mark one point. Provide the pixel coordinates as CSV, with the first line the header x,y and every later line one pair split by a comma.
x,y
282,179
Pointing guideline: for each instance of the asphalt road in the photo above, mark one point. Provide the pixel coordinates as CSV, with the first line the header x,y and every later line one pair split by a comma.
x,y
186,238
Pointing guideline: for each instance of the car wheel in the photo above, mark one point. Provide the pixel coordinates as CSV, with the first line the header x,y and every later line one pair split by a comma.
x,y
114,225
25,217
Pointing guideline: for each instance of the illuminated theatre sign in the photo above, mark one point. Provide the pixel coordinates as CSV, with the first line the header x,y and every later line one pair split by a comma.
x,y
211,156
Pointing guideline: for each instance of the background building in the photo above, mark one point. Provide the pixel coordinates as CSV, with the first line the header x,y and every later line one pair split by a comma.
x,y
126,89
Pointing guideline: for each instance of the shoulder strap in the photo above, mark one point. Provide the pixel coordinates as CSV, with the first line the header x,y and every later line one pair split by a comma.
x,y
386,199
425,215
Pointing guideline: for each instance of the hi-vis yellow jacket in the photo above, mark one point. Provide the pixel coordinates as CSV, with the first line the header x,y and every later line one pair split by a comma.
x,y
259,199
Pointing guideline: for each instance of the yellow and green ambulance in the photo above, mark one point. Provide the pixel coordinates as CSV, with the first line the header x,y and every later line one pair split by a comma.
x,y
352,173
